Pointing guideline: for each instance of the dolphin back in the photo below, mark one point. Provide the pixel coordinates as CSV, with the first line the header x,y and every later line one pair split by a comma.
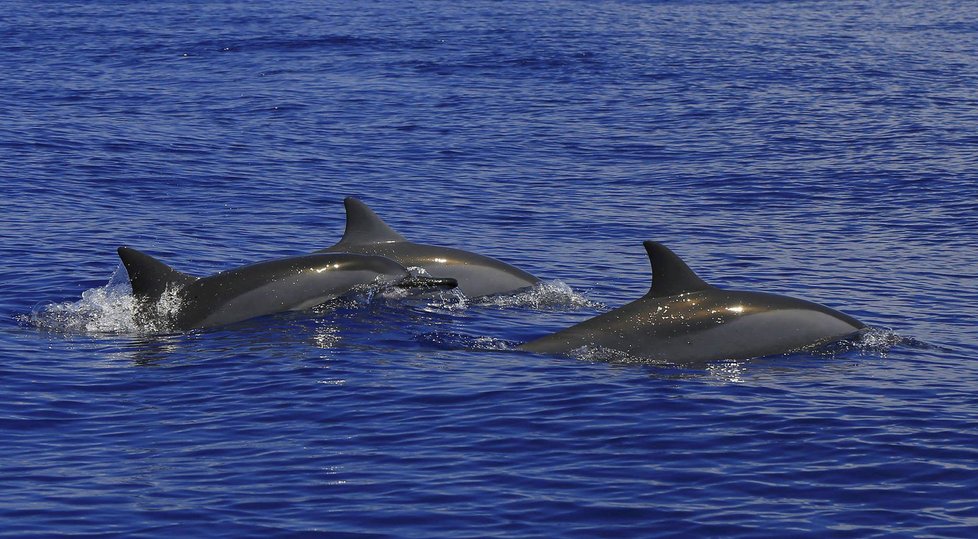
x,y
476,275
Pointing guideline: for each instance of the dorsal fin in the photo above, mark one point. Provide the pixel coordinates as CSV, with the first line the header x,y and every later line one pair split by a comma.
x,y
364,227
150,277
670,275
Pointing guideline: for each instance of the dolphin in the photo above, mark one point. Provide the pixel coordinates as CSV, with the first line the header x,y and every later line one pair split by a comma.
x,y
264,288
477,275
684,320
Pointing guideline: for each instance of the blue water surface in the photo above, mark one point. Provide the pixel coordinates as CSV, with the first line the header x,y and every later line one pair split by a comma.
x,y
824,150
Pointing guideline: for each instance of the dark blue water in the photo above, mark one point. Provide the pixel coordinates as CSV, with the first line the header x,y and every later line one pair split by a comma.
x,y
825,150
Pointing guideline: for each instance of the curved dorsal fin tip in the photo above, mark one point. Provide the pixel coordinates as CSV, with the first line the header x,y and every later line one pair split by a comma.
x,y
364,226
148,276
670,275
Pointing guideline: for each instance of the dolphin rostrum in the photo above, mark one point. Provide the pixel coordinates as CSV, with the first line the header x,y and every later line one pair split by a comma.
x,y
683,320
477,275
264,288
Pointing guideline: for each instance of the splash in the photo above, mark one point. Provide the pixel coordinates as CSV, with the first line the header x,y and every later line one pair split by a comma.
x,y
877,341
447,302
385,290
611,355
545,295
550,295
460,341
106,310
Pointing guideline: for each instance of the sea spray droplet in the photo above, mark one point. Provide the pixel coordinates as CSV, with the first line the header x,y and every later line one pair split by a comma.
x,y
549,295
544,295
877,341
107,309
610,355
160,316
110,309
882,340
459,341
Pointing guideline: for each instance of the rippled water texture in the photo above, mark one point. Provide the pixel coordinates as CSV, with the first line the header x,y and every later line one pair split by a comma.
x,y
824,150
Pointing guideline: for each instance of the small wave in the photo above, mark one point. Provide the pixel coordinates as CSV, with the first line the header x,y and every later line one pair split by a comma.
x,y
250,45
874,340
386,292
543,295
610,355
106,310
460,341
549,295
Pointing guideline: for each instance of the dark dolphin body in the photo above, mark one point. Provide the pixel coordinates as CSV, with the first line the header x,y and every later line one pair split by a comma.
x,y
684,320
264,288
477,275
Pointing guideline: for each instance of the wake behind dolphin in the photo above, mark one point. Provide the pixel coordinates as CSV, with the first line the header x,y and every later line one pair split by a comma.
x,y
682,320
264,288
477,275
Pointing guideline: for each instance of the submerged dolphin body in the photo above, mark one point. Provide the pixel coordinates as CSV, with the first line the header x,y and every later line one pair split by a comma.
x,y
477,275
264,288
683,320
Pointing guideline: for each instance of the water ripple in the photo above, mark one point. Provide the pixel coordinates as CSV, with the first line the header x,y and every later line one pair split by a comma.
x,y
817,150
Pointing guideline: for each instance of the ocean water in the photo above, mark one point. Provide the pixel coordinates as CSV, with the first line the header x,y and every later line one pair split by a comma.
x,y
824,150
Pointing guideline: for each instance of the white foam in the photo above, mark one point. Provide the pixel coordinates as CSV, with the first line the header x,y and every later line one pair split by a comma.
x,y
549,295
543,295
604,354
106,310
874,340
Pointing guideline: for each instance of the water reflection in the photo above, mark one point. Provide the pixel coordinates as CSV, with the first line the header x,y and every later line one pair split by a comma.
x,y
728,371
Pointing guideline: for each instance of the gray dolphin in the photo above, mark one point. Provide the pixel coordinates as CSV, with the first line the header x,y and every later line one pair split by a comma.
x,y
264,288
683,320
477,275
